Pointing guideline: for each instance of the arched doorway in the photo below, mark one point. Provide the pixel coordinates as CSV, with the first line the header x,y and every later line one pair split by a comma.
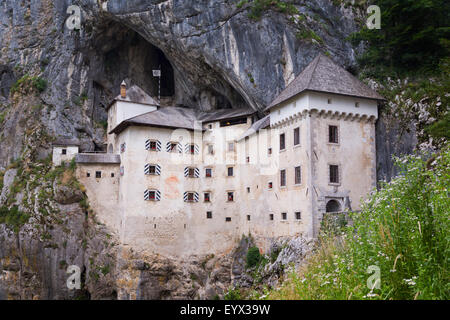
x,y
333,206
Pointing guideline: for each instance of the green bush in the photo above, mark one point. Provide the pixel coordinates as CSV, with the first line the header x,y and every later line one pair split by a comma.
x,y
13,218
403,229
253,257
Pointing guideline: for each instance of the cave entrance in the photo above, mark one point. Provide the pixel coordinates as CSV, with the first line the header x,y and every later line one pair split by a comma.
x,y
123,54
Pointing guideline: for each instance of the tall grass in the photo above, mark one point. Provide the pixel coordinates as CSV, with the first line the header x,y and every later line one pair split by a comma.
x,y
403,230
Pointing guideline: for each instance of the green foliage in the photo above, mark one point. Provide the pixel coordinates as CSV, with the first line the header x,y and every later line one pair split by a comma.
x,y
253,257
309,35
13,218
404,229
233,294
410,38
258,7
27,83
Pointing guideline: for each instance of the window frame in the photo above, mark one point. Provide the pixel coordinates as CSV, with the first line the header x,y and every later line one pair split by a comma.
x,y
296,182
283,134
338,168
330,135
297,136
281,178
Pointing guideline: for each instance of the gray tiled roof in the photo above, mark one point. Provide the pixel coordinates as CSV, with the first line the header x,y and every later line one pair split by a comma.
x,y
323,75
107,158
137,95
178,117
66,141
258,125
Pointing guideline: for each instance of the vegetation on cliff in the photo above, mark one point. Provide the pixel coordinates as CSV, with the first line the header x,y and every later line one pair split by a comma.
x,y
403,231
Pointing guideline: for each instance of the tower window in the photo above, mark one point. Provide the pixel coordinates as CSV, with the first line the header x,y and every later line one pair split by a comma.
x,y
271,216
298,175
333,134
282,141
248,217
283,178
356,104
64,151
296,136
209,215
230,196
208,172
269,151
207,196
88,174
98,174
298,216
228,219
270,185
283,216
329,101
230,171
334,174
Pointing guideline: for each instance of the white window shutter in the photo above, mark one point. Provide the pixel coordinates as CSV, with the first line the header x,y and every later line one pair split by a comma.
x,y
197,172
158,195
186,171
196,197
147,169
179,148
185,196
196,149
147,145
168,146
158,170
158,145
147,195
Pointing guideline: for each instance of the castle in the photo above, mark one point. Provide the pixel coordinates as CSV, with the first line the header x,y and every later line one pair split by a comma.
x,y
179,181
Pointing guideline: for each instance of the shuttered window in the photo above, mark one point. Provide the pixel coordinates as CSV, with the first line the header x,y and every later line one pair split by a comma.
x,y
190,172
191,148
334,174
152,195
174,147
190,196
153,145
152,169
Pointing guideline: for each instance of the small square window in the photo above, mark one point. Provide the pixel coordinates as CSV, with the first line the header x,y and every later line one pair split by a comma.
x,y
270,185
192,149
207,196
191,173
356,104
98,174
64,151
153,145
112,174
208,172
269,151
210,126
248,217
228,219
271,216
88,174
152,195
173,147
284,216
152,170
209,215
298,216
230,171
248,159
248,189
190,196
230,196
329,101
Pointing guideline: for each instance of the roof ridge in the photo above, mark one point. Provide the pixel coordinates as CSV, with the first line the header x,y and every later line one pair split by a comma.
x,y
314,70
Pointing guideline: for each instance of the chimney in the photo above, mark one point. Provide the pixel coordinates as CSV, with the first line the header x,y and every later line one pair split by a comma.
x,y
123,89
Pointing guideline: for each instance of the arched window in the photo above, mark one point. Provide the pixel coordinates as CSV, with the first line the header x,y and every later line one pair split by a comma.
x,y
333,206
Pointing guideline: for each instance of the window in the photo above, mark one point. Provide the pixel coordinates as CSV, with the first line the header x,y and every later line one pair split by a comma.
x,y
334,174
270,185
296,136
329,101
152,145
283,216
269,151
298,216
248,159
210,149
228,219
88,174
298,175
282,141
98,174
333,134
230,171
190,196
64,151
208,172
191,172
208,214
232,122
356,104
207,197
112,174
230,196
248,217
152,169
271,216
122,147
283,178
248,189
230,146
152,195
191,148
210,126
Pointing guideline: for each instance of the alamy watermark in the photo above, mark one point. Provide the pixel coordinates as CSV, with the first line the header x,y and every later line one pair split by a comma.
x,y
74,280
